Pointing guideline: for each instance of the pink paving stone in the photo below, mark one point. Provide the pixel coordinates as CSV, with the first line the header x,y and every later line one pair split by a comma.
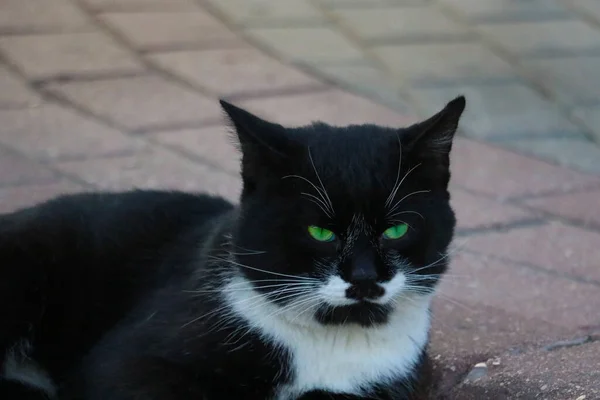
x,y
521,290
72,54
580,206
168,30
331,106
230,72
503,174
20,16
144,102
156,168
51,131
14,198
553,246
475,211
16,169
213,144
141,5
14,92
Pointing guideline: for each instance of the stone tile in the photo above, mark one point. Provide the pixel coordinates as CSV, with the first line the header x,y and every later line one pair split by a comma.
x,y
141,5
500,173
369,80
403,23
468,328
14,92
332,106
478,212
68,55
566,373
140,103
569,79
16,170
436,63
326,44
168,30
523,291
508,10
590,116
18,16
578,206
544,37
156,168
574,152
214,145
14,198
365,3
555,247
261,12
50,132
588,7
501,110
228,72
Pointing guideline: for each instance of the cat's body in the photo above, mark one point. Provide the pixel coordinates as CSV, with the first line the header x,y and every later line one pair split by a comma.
x,y
166,295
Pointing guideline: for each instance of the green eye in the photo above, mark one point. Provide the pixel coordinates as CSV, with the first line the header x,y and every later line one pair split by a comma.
x,y
321,234
396,232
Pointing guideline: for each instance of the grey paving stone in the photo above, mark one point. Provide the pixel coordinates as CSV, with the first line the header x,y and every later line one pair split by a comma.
x,y
228,72
142,103
261,12
370,3
508,10
544,37
502,111
588,7
141,5
71,55
569,79
401,23
439,63
326,44
167,30
14,92
26,16
367,79
49,132
570,152
590,116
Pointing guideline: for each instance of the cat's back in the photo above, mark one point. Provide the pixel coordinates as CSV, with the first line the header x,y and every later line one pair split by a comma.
x,y
74,266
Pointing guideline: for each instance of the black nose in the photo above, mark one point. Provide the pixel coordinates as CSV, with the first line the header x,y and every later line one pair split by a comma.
x,y
365,290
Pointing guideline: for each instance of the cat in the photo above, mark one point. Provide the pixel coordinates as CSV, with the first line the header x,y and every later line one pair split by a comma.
x,y
317,285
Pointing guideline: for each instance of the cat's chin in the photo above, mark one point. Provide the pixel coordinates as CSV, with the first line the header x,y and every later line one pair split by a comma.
x,y
365,314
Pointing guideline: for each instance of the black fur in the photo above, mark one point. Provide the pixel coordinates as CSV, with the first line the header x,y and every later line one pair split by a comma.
x,y
118,295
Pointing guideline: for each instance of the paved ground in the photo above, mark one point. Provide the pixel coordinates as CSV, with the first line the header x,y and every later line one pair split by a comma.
x,y
119,93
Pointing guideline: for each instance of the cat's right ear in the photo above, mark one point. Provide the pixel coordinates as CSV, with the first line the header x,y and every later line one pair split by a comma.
x,y
265,146
255,134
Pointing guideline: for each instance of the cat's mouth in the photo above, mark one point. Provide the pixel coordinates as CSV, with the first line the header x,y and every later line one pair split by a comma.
x,y
364,313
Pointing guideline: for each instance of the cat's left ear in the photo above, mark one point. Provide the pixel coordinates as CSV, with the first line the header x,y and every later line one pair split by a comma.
x,y
433,137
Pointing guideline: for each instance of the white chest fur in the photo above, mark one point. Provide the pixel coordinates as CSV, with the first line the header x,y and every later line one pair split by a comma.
x,y
342,359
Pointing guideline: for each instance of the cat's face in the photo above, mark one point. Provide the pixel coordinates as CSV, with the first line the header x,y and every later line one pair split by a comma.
x,y
344,223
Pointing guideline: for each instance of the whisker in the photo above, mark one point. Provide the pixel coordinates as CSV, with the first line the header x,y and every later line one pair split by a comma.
x,y
400,184
407,196
320,181
261,270
393,191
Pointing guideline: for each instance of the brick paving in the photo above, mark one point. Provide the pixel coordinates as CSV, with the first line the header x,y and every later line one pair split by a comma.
x,y
114,94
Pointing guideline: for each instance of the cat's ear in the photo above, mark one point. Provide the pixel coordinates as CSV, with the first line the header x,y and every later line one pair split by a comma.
x,y
265,147
253,133
428,143
433,137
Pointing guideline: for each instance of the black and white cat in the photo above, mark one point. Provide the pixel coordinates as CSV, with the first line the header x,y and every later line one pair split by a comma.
x,y
317,286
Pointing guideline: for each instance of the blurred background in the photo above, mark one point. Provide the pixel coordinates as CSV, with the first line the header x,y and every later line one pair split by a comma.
x,y
115,94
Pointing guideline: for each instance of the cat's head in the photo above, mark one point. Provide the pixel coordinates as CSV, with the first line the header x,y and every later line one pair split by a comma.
x,y
341,223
